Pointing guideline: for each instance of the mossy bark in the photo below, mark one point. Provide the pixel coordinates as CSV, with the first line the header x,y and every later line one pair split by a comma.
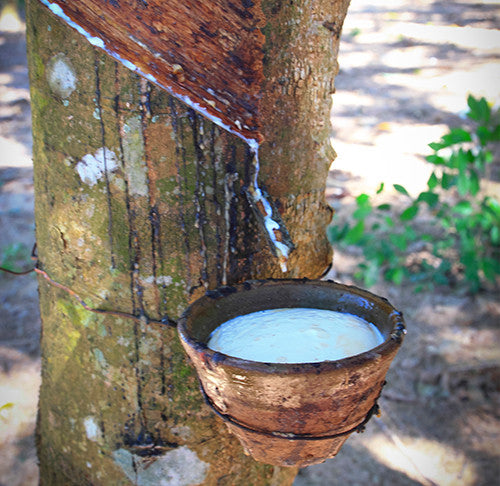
x,y
140,208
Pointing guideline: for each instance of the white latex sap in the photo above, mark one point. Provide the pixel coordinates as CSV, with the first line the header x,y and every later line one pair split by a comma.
x,y
295,335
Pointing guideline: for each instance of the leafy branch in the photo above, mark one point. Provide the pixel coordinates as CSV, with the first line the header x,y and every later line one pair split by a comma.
x,y
457,236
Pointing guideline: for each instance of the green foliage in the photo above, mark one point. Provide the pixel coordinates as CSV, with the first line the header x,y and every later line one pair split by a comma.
x,y
459,239
13,256
354,32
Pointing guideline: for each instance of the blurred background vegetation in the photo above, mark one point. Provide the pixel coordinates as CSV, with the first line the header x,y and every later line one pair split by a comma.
x,y
449,234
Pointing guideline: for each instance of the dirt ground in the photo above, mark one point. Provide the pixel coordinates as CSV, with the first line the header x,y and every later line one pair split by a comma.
x,y
406,69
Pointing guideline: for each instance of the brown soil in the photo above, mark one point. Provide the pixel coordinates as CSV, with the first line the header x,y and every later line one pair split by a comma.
x,y
406,68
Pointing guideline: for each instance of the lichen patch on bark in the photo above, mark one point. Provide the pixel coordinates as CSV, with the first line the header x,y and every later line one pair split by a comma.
x,y
93,167
61,76
178,467
133,155
92,429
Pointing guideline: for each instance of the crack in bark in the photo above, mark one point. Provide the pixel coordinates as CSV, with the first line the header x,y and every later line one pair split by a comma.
x,y
199,192
119,125
103,139
180,154
217,206
134,253
145,109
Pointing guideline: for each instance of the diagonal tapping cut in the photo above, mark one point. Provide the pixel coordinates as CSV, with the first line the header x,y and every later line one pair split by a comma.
x,y
207,54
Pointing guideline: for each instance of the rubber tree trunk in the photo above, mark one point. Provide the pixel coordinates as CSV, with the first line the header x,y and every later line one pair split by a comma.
x,y
140,208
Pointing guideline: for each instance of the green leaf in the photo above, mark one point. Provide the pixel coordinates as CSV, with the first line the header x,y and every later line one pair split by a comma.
x,y
399,241
384,207
462,160
448,180
409,213
492,205
471,269
478,109
433,181
395,275
401,189
456,135
462,183
355,234
410,234
452,161
495,134
484,135
463,207
436,146
435,159
364,206
473,182
431,198
337,234
367,273
380,188
495,235
489,268
362,212
362,199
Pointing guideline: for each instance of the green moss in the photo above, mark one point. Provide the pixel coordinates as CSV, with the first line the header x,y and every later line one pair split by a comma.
x,y
76,313
166,186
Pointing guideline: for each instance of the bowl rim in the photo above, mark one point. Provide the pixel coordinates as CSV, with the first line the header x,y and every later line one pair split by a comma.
x,y
387,347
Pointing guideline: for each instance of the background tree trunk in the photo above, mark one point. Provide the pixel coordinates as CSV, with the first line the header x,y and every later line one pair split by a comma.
x,y
139,208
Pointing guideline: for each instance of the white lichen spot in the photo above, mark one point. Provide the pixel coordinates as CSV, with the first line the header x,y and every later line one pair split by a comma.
x,y
178,467
181,431
99,357
122,341
160,280
164,280
91,168
61,76
97,114
92,430
133,153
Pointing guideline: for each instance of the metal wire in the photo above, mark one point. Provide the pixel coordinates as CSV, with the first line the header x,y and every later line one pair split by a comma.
x,y
375,410
166,321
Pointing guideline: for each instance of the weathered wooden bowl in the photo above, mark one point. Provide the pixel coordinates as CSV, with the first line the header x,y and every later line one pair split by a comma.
x,y
290,414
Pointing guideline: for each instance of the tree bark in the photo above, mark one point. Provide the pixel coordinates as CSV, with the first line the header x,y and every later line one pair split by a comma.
x,y
140,208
